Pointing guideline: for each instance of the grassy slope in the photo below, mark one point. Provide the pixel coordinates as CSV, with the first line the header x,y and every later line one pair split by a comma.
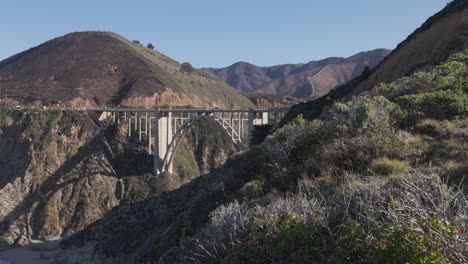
x,y
198,83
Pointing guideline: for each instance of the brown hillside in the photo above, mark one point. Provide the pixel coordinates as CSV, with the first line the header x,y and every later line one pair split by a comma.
x,y
440,36
94,68
300,80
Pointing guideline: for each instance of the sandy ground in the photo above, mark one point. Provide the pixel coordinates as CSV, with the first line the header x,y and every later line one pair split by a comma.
x,y
26,256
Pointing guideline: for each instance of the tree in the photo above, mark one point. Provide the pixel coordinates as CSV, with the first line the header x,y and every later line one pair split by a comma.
x,y
136,41
186,67
366,72
150,46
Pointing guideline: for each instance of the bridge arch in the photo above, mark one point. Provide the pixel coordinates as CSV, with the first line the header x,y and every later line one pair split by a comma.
x,y
181,131
157,126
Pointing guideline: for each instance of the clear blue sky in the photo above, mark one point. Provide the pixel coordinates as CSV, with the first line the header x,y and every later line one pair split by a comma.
x,y
217,33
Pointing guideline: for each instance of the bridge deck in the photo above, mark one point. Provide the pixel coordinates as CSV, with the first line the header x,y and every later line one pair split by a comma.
x,y
217,110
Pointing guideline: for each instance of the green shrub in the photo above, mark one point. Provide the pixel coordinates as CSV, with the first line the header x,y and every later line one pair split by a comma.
x,y
461,84
452,67
281,136
287,238
444,104
461,56
441,82
298,121
421,79
388,88
341,108
365,114
416,241
386,166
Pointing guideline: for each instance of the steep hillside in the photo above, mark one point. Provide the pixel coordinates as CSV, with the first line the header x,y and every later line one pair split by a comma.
x,y
96,68
60,171
440,36
313,79
375,179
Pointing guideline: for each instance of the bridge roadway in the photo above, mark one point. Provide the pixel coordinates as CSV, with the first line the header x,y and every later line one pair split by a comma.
x,y
163,129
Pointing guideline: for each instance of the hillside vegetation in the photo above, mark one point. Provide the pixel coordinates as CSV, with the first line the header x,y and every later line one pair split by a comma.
x,y
376,179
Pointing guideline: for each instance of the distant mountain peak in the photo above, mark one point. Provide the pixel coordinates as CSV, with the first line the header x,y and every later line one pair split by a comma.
x,y
313,78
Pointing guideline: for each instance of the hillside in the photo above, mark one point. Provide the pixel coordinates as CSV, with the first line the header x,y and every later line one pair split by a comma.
x,y
440,36
312,79
60,170
96,68
376,179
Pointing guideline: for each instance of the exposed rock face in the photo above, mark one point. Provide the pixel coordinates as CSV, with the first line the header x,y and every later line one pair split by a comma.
x,y
56,175
312,79
60,171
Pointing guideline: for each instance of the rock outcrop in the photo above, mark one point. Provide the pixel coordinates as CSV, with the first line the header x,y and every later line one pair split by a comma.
x,y
60,171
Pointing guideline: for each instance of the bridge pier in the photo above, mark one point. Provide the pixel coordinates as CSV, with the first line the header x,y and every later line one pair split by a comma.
x,y
156,143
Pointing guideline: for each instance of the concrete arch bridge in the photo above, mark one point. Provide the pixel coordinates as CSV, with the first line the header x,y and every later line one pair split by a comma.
x,y
163,129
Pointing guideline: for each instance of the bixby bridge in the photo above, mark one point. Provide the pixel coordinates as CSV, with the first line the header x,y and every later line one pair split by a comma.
x,y
163,129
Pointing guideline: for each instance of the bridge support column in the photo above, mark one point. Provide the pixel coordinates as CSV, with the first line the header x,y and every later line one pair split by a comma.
x,y
139,127
169,137
156,143
130,126
251,126
136,121
148,123
265,118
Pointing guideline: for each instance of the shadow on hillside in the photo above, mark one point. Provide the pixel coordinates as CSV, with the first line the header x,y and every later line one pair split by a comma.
x,y
55,181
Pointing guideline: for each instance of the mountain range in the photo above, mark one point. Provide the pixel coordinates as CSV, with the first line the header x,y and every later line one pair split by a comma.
x,y
309,80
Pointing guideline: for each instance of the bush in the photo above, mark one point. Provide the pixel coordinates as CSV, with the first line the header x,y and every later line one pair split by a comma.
x,y
461,57
415,242
150,46
452,67
344,142
136,41
186,67
388,89
386,166
416,220
298,121
444,104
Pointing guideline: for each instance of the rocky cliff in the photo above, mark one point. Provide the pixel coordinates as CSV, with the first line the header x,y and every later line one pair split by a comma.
x,y
60,171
